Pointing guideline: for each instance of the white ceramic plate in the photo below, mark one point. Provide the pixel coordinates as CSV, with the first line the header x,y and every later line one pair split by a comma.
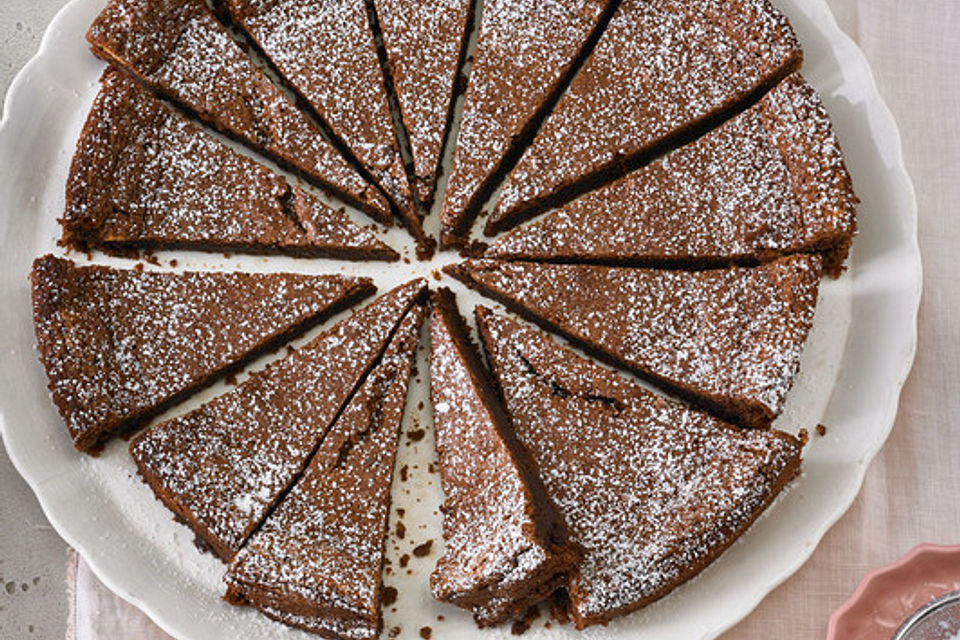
x,y
857,358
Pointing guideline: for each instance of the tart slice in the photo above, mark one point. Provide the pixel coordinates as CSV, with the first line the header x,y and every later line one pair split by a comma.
x,y
326,52
664,71
505,545
769,182
319,555
526,53
653,491
180,51
144,178
120,346
222,467
425,42
727,339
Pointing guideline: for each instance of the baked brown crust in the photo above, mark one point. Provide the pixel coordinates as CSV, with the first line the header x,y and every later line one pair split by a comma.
x,y
505,546
180,51
425,42
668,488
769,182
663,72
120,346
526,54
222,467
326,52
319,555
143,177
728,340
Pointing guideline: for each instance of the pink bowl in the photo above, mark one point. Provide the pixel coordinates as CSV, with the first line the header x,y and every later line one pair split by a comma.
x,y
887,596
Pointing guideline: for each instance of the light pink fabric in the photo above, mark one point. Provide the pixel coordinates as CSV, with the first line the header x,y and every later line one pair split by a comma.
x,y
910,493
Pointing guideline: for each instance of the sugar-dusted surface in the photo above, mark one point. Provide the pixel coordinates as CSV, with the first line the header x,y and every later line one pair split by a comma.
x,y
178,49
222,466
502,539
652,490
524,51
320,553
660,68
118,345
768,182
424,41
144,177
325,49
728,338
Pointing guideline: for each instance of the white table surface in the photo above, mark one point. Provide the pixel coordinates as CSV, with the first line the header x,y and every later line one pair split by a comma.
x,y
910,492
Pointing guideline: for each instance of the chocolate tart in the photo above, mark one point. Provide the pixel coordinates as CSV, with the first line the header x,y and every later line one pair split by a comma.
x,y
663,72
526,54
120,346
652,490
769,182
425,42
505,545
728,340
319,555
180,51
326,52
143,177
222,467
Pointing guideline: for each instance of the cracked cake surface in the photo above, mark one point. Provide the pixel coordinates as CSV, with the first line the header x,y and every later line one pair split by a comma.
x,y
179,50
728,339
652,490
143,177
222,467
770,181
120,345
524,55
319,555
505,546
662,69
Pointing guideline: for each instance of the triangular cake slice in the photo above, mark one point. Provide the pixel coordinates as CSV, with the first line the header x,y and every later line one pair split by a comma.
x,y
179,50
120,346
525,55
222,467
425,42
769,182
144,178
319,555
326,52
664,70
505,545
727,339
653,491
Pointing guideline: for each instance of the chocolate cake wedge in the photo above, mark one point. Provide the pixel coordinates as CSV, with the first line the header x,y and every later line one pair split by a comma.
x,y
726,339
425,42
652,490
663,72
180,51
143,177
326,52
769,182
505,545
319,555
120,346
222,467
526,53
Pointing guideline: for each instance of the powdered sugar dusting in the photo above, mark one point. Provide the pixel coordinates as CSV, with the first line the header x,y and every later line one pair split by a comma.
x,y
178,48
767,182
660,67
729,336
223,465
144,176
650,488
